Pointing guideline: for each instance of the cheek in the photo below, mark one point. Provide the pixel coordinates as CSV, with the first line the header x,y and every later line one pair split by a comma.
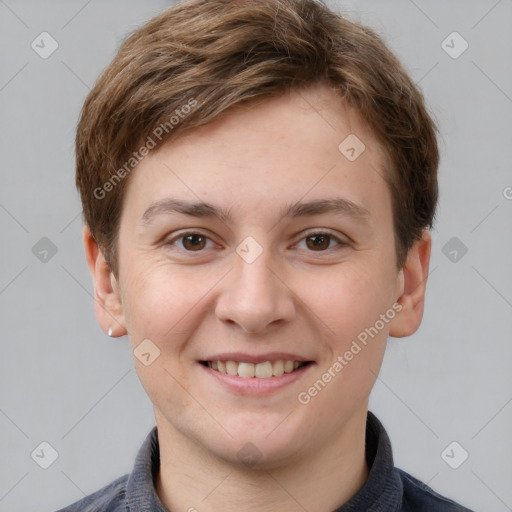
x,y
362,326
161,305
162,302
349,302
347,299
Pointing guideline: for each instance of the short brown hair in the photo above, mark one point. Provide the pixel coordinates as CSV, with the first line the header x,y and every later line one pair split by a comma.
x,y
214,54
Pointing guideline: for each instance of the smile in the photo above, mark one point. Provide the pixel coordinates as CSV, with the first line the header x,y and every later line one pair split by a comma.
x,y
263,370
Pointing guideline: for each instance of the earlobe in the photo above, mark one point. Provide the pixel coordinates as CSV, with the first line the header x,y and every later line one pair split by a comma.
x,y
107,299
412,286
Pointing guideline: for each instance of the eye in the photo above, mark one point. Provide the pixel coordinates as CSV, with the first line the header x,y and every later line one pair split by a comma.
x,y
321,241
191,242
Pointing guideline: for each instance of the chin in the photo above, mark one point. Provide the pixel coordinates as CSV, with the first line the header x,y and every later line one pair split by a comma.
x,y
258,457
257,450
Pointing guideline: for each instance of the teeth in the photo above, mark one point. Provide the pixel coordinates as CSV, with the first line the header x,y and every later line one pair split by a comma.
x,y
288,366
231,368
263,370
246,369
278,368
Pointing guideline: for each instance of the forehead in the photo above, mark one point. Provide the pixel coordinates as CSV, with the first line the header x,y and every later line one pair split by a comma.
x,y
303,144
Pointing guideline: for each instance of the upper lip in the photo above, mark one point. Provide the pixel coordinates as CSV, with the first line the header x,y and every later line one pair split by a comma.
x,y
253,358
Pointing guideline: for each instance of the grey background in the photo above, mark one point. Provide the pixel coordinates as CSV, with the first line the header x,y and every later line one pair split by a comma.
x,y
63,381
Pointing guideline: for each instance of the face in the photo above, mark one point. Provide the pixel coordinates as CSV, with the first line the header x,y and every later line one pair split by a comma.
x,y
255,240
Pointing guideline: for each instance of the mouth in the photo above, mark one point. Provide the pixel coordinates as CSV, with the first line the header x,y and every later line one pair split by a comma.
x,y
261,370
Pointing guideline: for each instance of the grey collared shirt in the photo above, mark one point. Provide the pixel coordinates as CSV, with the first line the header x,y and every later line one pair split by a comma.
x,y
387,489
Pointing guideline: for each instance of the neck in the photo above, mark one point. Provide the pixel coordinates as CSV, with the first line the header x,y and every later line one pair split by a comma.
x,y
192,479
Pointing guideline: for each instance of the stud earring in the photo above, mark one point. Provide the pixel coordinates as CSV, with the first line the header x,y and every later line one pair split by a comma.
x,y
110,331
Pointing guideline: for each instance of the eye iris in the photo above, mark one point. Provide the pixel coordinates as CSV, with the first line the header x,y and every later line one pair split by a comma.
x,y
319,242
196,242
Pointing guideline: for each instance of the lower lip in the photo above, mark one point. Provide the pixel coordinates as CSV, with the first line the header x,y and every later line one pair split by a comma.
x,y
255,385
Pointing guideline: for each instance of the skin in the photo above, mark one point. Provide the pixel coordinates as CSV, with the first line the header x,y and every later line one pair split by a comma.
x,y
295,297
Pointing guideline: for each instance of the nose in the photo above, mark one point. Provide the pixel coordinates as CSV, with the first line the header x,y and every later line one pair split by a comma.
x,y
254,296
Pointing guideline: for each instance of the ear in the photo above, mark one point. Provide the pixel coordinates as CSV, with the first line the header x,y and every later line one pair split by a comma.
x,y
107,297
412,284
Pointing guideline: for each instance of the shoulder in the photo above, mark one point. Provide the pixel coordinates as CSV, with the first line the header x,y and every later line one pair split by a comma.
x,y
419,497
110,498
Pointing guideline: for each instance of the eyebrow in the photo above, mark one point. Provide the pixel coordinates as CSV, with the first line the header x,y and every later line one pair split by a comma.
x,y
299,209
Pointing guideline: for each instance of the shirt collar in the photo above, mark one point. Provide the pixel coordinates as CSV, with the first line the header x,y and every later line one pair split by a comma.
x,y
141,495
382,491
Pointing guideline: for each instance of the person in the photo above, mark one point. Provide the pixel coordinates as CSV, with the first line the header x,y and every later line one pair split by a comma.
x,y
258,182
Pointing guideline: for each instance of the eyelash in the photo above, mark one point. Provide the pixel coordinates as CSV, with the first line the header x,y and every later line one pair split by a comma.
x,y
340,243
